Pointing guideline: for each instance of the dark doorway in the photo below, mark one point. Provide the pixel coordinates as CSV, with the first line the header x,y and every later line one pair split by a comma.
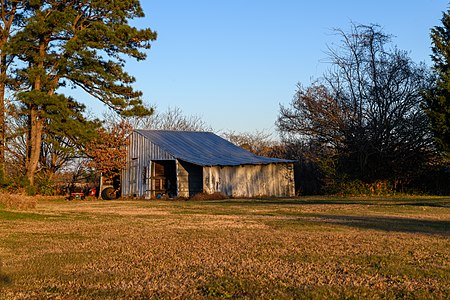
x,y
163,180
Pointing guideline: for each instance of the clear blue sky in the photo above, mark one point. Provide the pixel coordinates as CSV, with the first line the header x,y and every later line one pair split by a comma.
x,y
234,61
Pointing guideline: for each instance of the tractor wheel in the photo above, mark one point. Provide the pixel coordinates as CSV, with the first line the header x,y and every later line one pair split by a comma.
x,y
109,193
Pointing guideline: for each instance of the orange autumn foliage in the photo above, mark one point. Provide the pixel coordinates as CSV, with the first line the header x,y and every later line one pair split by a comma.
x,y
108,150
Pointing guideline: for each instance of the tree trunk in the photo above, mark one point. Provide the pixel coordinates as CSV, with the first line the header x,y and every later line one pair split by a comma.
x,y
2,114
35,124
35,130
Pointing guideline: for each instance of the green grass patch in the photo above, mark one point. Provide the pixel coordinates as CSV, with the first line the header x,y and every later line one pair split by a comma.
x,y
15,215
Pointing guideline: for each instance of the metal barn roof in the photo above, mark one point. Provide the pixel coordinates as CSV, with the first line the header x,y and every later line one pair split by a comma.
x,y
204,148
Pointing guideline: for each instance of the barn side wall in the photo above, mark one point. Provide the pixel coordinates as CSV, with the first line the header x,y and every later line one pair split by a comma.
x,y
250,180
136,174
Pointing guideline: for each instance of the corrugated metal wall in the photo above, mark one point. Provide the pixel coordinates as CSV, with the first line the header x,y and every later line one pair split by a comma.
x,y
250,180
136,175
189,179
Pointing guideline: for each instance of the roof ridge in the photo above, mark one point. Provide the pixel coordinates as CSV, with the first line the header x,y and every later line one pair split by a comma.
x,y
174,130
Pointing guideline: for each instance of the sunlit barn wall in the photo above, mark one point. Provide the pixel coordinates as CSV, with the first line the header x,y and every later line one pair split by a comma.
x,y
250,180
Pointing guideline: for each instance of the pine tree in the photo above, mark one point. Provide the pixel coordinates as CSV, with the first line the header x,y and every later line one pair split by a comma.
x,y
83,44
437,99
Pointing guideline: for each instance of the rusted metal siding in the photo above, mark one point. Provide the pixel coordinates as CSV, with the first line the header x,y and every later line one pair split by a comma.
x,y
250,180
136,175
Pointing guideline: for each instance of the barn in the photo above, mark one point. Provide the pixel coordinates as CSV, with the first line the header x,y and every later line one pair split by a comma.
x,y
185,163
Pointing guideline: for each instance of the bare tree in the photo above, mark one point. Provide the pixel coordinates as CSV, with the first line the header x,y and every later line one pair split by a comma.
x,y
9,16
16,148
171,119
366,111
259,142
57,151
174,119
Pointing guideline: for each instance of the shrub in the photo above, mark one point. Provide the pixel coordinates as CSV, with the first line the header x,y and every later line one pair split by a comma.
x,y
15,201
45,185
354,187
205,196
359,188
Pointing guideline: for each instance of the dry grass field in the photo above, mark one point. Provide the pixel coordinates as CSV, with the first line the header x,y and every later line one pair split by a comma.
x,y
306,248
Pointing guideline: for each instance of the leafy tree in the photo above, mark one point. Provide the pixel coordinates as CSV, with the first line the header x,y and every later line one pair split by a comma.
x,y
65,136
108,150
437,98
364,115
83,44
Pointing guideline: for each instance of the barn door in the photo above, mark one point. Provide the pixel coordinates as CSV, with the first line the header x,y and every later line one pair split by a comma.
x,y
133,178
163,179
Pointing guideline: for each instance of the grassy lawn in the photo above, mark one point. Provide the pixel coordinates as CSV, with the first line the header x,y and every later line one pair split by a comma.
x,y
313,248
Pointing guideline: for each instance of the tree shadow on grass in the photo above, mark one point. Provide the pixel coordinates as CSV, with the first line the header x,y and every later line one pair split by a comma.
x,y
438,202
389,224
430,204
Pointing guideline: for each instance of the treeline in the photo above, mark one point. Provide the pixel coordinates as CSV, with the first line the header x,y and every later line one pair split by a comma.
x,y
376,122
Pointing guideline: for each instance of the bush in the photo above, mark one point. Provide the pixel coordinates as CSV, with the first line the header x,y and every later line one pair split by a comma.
x,y
45,186
21,185
354,187
15,201
359,188
205,196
